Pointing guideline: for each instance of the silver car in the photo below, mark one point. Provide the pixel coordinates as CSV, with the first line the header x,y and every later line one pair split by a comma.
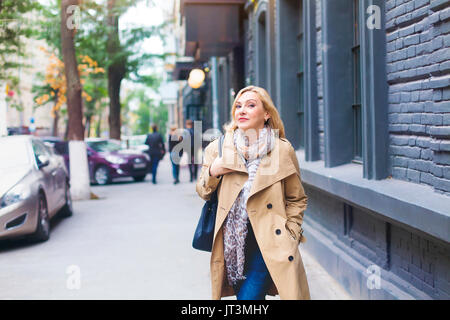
x,y
34,186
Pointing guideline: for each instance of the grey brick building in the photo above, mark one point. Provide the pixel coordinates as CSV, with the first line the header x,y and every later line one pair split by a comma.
x,y
363,87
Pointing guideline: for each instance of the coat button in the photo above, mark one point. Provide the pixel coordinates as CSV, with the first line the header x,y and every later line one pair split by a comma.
x,y
278,231
269,206
291,258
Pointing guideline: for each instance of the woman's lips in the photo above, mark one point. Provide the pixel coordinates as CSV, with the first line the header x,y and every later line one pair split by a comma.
x,y
243,119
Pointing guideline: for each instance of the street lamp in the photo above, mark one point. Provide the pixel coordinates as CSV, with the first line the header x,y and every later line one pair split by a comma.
x,y
196,78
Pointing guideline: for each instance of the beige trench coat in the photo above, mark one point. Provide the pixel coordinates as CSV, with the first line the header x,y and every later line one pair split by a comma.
x,y
275,207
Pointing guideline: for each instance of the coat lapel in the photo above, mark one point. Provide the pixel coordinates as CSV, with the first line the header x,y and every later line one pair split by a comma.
x,y
230,156
275,166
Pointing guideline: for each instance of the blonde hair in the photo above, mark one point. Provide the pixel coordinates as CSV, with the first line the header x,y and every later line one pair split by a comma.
x,y
274,121
173,128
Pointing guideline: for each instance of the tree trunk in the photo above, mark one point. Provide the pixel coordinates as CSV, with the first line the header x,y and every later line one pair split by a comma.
x,y
73,93
88,125
79,172
116,71
55,124
115,123
99,124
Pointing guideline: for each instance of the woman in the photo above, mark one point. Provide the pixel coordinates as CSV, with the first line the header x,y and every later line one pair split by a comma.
x,y
174,139
261,203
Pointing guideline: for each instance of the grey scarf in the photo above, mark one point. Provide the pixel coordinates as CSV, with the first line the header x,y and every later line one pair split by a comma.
x,y
235,226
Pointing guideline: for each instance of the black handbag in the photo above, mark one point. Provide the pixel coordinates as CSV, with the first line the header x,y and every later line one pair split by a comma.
x,y
204,233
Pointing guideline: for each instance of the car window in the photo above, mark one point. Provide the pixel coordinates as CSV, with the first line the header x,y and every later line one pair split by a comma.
x,y
61,147
104,146
39,150
50,148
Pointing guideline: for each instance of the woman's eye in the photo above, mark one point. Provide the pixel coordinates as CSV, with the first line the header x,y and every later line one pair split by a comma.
x,y
237,107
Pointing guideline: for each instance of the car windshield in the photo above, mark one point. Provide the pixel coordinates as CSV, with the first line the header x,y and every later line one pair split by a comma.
x,y
13,154
137,141
104,146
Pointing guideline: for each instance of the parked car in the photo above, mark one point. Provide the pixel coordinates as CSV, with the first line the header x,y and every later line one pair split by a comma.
x,y
34,187
135,142
59,146
108,160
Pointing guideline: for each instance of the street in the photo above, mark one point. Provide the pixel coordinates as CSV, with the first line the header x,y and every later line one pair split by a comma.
x,y
134,242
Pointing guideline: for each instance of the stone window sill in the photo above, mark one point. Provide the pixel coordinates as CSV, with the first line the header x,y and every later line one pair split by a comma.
x,y
413,205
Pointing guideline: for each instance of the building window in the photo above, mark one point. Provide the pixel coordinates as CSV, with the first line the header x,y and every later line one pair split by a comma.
x,y
300,76
357,112
261,51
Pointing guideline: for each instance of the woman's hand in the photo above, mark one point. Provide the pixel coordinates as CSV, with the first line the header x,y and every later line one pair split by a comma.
x,y
217,168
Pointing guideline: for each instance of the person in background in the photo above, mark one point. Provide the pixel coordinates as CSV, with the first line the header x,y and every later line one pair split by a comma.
x,y
156,151
193,168
174,139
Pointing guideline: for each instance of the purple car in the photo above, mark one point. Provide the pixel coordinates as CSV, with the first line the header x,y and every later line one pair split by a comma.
x,y
107,160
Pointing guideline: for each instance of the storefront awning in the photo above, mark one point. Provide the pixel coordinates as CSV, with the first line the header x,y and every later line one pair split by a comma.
x,y
212,27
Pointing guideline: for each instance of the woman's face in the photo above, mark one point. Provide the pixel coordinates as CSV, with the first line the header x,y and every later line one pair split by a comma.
x,y
249,112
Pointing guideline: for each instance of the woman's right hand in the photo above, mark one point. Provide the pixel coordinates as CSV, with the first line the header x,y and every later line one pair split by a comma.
x,y
217,168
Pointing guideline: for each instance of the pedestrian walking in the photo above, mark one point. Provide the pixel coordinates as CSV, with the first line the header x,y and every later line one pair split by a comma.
x,y
156,150
261,203
175,157
193,168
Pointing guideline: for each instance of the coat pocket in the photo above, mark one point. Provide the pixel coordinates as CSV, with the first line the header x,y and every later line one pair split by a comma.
x,y
282,235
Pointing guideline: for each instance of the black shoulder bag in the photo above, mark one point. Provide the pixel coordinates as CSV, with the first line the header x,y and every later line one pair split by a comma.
x,y
204,233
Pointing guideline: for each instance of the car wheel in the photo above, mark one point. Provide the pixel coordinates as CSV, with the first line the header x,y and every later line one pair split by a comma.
x,y
139,178
42,232
102,175
67,210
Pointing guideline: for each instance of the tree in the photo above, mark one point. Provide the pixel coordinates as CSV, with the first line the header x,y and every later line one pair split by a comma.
x,y
13,30
90,61
79,172
160,115
116,70
139,119
55,84
119,50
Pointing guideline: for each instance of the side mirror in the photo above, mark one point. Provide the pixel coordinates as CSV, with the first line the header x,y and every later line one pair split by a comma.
x,y
42,161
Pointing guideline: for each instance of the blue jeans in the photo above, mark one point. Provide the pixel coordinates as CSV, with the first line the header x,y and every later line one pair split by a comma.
x,y
258,279
154,162
175,169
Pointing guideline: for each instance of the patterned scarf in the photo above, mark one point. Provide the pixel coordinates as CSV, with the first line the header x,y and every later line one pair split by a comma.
x,y
235,226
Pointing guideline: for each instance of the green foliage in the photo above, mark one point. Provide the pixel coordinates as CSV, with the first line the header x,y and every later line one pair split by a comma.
x,y
160,115
145,113
14,28
93,38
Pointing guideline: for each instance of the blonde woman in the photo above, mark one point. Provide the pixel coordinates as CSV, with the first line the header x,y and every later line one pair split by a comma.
x,y
261,202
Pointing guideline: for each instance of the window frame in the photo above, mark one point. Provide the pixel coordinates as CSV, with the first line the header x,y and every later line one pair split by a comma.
x,y
357,106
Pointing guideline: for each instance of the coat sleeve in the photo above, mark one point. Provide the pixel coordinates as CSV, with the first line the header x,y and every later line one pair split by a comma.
x,y
296,201
161,143
207,184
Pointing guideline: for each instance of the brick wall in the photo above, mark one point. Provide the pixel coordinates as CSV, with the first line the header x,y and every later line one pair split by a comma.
x,y
422,262
418,66
413,256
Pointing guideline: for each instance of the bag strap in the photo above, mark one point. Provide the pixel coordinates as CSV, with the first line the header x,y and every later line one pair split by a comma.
x,y
221,145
